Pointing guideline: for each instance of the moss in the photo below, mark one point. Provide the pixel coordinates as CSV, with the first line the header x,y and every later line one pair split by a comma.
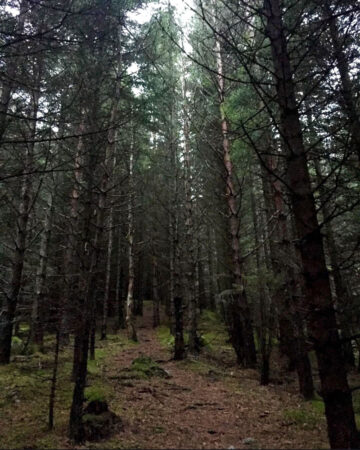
x,y
356,401
214,336
50,441
94,419
158,430
305,418
17,345
165,337
94,393
101,391
147,366
198,366
318,405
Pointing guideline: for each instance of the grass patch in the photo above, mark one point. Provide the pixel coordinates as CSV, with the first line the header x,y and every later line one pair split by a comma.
x,y
199,366
305,418
164,336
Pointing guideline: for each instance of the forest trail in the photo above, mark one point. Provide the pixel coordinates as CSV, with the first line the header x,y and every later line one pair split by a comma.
x,y
203,406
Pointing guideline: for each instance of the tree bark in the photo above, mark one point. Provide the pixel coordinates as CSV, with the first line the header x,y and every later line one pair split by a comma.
x,y
194,343
9,82
130,319
155,289
119,304
7,316
37,330
348,93
320,312
264,328
241,327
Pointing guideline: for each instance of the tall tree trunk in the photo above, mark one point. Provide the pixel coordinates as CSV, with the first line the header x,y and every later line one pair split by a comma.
x,y
130,319
119,304
292,339
320,312
8,312
155,289
211,255
54,381
37,319
85,303
194,343
341,296
348,91
71,262
177,326
90,253
107,276
9,81
241,327
264,328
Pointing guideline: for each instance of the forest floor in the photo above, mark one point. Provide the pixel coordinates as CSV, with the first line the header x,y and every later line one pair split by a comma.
x,y
205,402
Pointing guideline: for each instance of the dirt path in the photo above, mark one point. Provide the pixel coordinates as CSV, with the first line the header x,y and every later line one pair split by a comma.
x,y
201,410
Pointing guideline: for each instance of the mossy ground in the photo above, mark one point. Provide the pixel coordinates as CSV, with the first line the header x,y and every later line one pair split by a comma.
x,y
24,394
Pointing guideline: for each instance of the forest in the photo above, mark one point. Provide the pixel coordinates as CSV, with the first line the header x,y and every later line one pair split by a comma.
x,y
180,224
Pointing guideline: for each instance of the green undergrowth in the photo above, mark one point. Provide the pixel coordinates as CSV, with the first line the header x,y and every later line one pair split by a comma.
x,y
319,406
212,333
308,416
201,366
25,387
165,337
143,368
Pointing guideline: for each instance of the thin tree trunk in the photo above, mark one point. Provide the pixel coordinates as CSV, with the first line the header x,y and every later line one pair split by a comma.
x,y
71,265
54,381
211,253
37,319
119,305
194,344
155,289
107,277
130,319
241,327
264,331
